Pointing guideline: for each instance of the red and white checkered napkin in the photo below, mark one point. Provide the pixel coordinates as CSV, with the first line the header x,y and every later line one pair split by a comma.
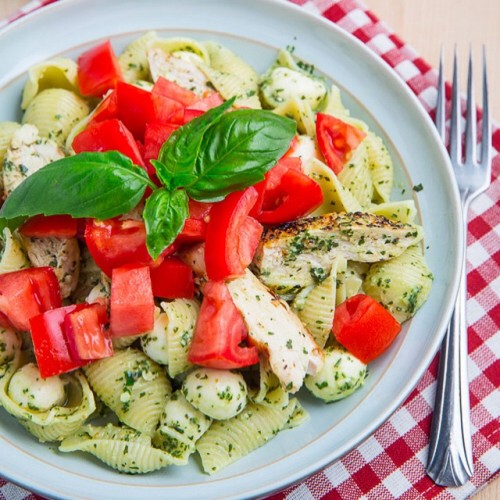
x,y
25,9
390,464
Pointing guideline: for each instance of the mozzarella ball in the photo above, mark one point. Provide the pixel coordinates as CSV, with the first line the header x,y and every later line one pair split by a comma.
x,y
28,389
155,344
219,394
10,342
339,377
306,149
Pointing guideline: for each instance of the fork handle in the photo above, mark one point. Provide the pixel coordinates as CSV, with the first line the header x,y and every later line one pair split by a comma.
x,y
450,450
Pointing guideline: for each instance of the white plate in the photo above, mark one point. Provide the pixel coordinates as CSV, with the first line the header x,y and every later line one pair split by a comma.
x,y
255,29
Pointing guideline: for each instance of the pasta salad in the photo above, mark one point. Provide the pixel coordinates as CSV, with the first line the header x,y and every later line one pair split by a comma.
x,y
186,247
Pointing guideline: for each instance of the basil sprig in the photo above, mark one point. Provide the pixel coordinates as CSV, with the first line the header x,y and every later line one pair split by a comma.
x,y
213,155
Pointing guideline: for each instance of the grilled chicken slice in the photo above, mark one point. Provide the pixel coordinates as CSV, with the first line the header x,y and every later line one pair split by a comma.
x,y
89,276
276,330
179,67
61,254
299,254
27,153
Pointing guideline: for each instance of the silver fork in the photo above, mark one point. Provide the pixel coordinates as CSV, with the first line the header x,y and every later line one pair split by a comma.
x,y
450,449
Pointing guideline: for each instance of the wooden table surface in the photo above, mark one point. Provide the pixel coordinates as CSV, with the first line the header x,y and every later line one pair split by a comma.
x,y
429,25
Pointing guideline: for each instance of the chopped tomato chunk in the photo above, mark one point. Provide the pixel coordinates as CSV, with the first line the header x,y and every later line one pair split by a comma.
x,y
336,140
98,70
173,91
4,321
135,108
132,303
43,226
199,210
286,193
195,226
208,101
18,302
51,348
167,110
364,327
85,332
106,109
154,137
191,114
28,293
194,231
172,279
219,332
115,243
232,235
108,135
46,287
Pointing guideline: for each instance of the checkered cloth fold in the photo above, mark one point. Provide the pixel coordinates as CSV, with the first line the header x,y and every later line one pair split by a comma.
x,y
391,463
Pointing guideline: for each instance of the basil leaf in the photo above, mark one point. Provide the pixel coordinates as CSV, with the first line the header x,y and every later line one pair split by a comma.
x,y
100,185
179,152
164,214
238,150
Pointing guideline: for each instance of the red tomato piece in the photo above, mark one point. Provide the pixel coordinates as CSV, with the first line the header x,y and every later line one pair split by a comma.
x,y
199,210
42,226
194,231
18,301
219,331
49,342
191,114
106,109
108,135
211,100
85,332
154,137
98,70
27,293
364,327
286,194
248,241
114,243
132,303
232,235
4,321
46,287
195,227
336,140
291,162
172,279
167,110
174,91
135,108
208,101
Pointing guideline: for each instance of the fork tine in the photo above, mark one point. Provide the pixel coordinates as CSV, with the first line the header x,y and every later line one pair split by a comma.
x,y
441,99
486,129
456,115
470,121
